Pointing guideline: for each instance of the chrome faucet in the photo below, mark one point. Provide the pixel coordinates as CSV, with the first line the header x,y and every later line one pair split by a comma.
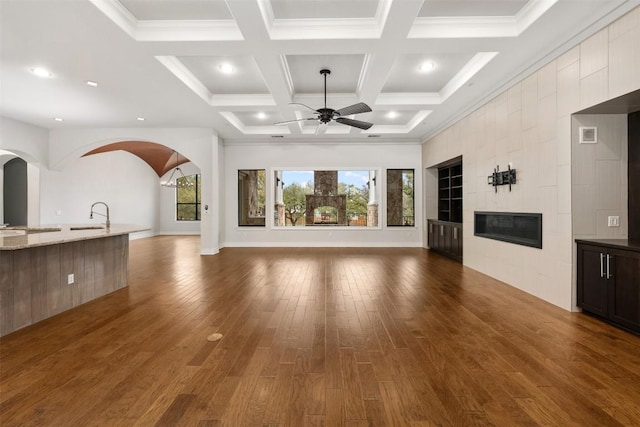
x,y
108,224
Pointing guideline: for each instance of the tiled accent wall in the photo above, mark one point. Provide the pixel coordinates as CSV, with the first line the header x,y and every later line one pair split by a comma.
x,y
530,125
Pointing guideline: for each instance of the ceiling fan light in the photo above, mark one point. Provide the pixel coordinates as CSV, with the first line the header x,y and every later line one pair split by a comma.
x,y
261,115
392,114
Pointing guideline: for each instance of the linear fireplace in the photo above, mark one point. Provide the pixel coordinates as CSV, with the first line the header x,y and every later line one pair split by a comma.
x,y
513,227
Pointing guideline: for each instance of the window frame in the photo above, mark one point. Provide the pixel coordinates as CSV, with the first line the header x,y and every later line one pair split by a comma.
x,y
413,208
239,203
197,203
378,188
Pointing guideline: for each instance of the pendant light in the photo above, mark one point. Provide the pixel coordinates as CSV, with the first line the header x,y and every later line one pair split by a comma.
x,y
180,180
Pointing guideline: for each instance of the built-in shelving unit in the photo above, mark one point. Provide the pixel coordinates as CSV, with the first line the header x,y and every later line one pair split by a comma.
x,y
445,233
450,192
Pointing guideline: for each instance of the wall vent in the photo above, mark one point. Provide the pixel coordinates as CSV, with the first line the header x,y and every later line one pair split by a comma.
x,y
588,135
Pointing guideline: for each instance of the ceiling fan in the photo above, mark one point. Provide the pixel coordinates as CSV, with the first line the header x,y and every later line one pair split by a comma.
x,y
325,115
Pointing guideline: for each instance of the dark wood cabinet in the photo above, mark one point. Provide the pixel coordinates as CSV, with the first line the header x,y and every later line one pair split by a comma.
x,y
609,281
450,191
445,233
445,237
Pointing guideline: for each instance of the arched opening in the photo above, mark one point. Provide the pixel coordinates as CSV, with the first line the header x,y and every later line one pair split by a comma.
x,y
168,208
19,189
14,192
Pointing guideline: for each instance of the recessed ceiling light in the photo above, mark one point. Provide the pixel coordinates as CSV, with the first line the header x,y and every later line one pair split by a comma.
x,y
141,119
226,68
261,115
425,67
392,114
40,72
92,83
58,119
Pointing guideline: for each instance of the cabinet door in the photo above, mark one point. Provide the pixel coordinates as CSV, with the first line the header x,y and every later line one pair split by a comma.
x,y
439,237
456,241
447,238
592,282
624,289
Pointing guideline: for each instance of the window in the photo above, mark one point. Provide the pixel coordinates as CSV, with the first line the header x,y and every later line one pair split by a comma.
x,y
188,198
308,198
251,198
400,205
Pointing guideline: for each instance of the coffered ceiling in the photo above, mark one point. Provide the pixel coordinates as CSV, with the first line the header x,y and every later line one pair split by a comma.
x,y
418,64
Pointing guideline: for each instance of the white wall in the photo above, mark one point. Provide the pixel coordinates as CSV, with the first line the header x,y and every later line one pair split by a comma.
x,y
599,177
31,143
121,180
309,156
199,144
27,141
530,126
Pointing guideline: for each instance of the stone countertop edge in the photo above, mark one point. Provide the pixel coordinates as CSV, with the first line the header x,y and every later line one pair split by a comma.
x,y
65,235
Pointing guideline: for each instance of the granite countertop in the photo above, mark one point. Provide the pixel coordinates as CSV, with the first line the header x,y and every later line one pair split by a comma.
x,y
28,237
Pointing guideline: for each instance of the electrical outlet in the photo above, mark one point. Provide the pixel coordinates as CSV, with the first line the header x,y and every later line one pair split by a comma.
x,y
613,221
70,279
58,212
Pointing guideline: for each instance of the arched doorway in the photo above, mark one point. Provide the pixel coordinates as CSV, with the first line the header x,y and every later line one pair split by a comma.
x,y
14,192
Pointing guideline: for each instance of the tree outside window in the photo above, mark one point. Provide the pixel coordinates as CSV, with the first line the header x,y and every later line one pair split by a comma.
x,y
400,201
188,198
338,197
251,197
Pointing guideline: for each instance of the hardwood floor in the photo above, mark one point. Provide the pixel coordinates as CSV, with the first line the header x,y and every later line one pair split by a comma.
x,y
317,337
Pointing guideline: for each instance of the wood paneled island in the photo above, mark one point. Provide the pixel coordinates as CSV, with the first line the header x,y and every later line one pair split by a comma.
x,y
38,264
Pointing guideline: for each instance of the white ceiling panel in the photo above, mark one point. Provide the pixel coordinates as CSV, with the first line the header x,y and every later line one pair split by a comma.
x,y
177,9
306,77
244,79
327,9
406,76
258,118
388,117
441,8
159,59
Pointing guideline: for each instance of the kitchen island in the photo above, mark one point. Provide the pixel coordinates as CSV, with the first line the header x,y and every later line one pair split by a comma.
x,y
45,271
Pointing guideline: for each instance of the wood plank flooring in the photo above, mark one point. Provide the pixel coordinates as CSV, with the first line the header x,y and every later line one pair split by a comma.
x,y
316,337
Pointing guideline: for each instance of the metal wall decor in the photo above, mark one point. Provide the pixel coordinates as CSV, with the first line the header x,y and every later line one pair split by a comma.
x,y
498,177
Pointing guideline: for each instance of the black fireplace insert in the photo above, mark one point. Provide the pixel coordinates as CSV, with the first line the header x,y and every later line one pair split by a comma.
x,y
514,227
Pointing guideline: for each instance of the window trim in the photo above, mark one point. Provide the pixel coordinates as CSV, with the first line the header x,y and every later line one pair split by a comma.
x,y
197,203
387,199
379,188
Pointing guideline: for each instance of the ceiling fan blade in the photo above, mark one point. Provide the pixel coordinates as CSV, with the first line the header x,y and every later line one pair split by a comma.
x,y
355,123
360,107
304,105
286,122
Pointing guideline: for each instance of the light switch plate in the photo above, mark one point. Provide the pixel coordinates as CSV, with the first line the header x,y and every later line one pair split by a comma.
x,y
70,279
613,221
